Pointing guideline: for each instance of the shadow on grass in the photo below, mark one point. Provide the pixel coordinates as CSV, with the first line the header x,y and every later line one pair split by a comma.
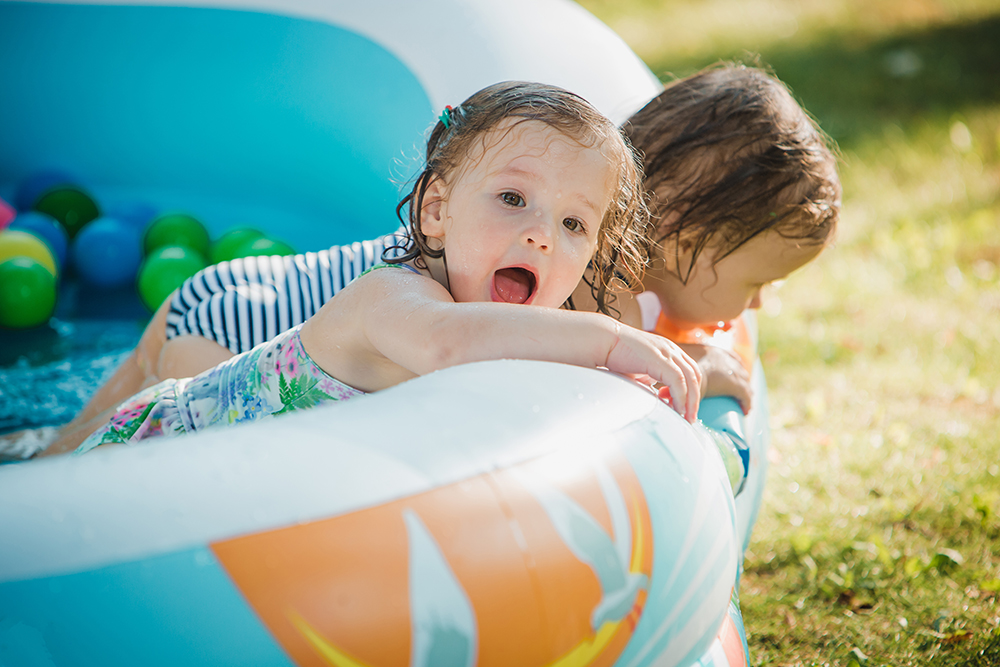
x,y
981,651
856,86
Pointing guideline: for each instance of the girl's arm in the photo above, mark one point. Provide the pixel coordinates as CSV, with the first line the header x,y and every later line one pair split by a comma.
x,y
392,325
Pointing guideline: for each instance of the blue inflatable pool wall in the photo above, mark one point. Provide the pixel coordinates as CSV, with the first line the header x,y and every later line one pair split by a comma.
x,y
302,118
198,109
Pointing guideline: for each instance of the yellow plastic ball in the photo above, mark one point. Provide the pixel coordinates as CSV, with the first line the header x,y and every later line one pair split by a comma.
x,y
15,243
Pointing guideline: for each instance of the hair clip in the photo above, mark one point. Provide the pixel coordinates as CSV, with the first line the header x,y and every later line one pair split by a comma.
x,y
445,117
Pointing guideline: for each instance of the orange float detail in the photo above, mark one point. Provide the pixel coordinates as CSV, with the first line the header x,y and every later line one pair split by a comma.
x,y
339,592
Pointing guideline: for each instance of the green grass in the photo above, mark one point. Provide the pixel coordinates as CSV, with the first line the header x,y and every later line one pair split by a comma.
x,y
879,539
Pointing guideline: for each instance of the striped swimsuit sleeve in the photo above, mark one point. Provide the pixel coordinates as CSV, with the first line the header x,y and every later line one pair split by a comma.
x,y
242,303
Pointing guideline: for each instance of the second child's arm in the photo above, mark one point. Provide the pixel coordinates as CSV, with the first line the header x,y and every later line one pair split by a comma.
x,y
392,325
723,374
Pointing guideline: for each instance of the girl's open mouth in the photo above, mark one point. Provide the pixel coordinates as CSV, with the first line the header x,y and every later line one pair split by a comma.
x,y
514,285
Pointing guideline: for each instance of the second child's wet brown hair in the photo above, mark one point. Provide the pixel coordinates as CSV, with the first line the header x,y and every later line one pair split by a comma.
x,y
621,239
728,155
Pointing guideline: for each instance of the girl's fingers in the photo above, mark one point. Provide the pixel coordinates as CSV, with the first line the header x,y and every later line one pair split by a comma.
x,y
694,401
693,380
678,389
690,375
644,379
664,362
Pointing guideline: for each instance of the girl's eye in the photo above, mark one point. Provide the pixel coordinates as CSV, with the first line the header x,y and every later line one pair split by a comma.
x,y
573,225
512,199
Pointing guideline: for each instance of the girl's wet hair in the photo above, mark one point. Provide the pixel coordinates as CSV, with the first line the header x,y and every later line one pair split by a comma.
x,y
729,155
621,240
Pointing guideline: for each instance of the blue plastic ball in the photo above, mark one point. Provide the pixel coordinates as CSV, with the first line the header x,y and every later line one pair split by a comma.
x,y
136,213
107,252
46,228
35,185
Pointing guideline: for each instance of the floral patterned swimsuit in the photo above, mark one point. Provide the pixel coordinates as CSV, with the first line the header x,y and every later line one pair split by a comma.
x,y
275,377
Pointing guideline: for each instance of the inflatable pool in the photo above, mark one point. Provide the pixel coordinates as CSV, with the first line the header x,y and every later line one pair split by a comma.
x,y
492,514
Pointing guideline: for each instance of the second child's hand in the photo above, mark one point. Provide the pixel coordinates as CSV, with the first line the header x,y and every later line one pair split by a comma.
x,y
723,373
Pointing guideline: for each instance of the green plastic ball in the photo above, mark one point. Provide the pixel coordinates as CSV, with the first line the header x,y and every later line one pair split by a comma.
x,y
164,270
176,229
229,243
72,207
17,243
262,247
27,293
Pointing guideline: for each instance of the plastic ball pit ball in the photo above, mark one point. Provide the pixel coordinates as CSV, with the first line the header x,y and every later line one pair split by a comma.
x,y
27,293
72,207
164,270
7,213
176,229
135,213
263,247
16,243
229,243
46,228
107,253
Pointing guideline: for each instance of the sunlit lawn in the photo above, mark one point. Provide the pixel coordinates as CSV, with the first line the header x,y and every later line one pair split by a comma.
x,y
879,539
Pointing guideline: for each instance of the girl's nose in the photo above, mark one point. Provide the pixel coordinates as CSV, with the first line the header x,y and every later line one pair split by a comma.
x,y
538,235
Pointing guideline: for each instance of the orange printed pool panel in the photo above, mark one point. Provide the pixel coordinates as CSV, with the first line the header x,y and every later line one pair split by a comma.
x,y
540,564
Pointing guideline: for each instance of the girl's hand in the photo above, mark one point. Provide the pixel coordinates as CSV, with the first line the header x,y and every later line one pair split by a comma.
x,y
723,374
652,358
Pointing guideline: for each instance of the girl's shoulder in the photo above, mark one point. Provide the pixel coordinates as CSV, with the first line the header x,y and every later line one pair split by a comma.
x,y
385,265
381,283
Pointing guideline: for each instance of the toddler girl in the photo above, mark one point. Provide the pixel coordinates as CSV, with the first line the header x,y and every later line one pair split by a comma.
x,y
524,185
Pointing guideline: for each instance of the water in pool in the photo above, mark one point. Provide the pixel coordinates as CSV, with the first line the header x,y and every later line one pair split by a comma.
x,y
48,373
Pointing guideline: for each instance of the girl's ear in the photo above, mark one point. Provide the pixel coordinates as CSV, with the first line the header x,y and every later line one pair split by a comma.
x,y
432,214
